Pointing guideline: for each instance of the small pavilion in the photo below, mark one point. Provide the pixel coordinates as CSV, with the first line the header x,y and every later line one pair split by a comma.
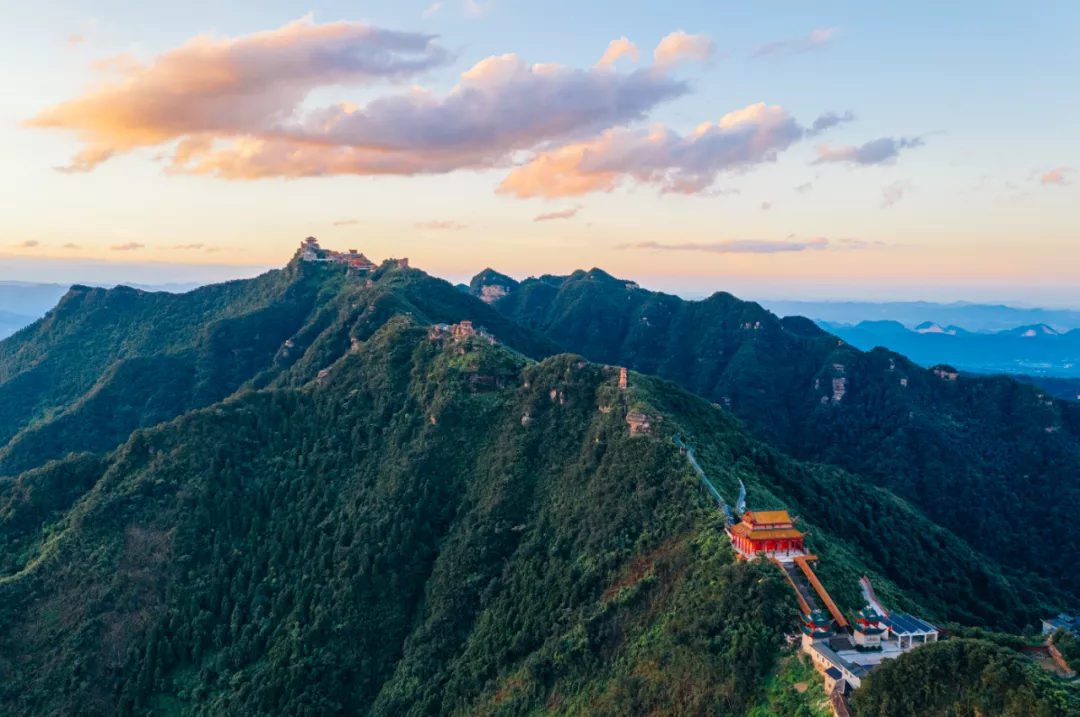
x,y
868,629
767,531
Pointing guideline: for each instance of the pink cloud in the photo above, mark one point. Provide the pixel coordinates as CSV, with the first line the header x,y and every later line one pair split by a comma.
x,y
658,156
679,46
1058,176
757,246
441,225
232,108
619,48
817,39
212,87
564,214
878,151
129,246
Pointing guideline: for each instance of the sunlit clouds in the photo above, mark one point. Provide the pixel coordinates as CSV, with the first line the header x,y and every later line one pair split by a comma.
x,y
619,48
232,108
878,151
563,214
658,156
815,40
210,88
1060,176
681,47
237,109
756,246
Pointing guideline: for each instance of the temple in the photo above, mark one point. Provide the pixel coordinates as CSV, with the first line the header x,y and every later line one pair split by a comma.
x,y
868,629
771,532
355,260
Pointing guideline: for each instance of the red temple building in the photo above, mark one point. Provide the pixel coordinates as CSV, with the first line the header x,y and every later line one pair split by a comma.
x,y
767,531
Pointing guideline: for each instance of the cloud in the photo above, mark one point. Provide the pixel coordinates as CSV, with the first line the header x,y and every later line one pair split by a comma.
x,y
70,245
766,206
755,246
433,9
1058,176
220,87
75,39
233,108
658,156
182,247
345,222
129,246
28,244
893,193
564,214
679,46
441,225
878,151
475,8
619,48
817,39
804,187
829,120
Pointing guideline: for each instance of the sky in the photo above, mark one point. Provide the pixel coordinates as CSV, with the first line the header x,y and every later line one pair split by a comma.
x,y
921,150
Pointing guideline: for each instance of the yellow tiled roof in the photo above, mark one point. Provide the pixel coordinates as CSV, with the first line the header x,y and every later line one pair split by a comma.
x,y
765,533
767,517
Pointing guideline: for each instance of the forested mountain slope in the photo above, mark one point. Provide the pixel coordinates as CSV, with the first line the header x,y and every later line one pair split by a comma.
x,y
107,361
994,461
432,527
388,522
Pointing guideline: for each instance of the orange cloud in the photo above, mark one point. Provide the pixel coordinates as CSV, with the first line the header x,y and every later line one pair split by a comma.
x,y
230,87
232,108
1058,176
619,48
679,46
564,214
679,164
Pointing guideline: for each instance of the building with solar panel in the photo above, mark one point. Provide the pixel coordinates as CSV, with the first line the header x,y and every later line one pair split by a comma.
x,y
909,631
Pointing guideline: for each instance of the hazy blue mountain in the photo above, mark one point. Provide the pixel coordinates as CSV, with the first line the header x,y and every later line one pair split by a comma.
x,y
973,317
1036,349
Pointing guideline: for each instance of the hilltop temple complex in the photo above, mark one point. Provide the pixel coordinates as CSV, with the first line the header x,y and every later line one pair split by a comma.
x,y
843,650
311,251
771,532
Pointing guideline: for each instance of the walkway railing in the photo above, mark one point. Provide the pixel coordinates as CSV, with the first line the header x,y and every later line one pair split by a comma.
x,y
804,564
709,487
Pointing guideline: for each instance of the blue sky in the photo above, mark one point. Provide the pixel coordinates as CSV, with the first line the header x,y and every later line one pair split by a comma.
x,y
986,87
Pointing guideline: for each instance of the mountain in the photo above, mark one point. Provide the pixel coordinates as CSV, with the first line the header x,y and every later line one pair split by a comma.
x,y
386,515
22,303
1006,452
1031,349
1033,331
974,317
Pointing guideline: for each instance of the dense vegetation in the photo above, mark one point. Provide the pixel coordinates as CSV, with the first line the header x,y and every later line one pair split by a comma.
x,y
1068,644
390,539
963,678
379,521
1004,451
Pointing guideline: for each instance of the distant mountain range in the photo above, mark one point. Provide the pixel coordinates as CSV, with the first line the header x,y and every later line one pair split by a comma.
x,y
973,317
1036,349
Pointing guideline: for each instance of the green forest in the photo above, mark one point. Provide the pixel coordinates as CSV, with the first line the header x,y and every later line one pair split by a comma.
x,y
288,496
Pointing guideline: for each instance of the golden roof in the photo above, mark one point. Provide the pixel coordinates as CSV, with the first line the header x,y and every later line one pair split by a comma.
x,y
769,517
766,533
